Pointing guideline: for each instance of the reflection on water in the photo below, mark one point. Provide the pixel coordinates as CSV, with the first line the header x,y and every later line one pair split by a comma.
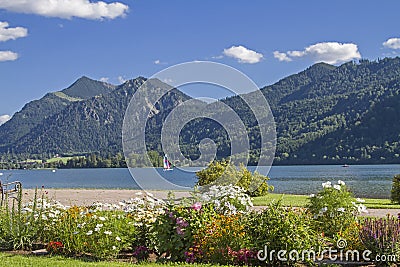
x,y
363,180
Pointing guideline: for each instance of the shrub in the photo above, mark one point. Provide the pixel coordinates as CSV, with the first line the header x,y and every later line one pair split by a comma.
x,y
395,192
227,199
382,237
278,228
21,226
222,240
144,210
174,230
225,173
89,231
334,209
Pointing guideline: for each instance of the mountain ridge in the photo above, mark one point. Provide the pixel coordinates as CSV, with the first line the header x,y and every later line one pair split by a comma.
x,y
324,114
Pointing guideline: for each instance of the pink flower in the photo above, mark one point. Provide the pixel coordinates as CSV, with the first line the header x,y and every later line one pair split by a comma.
x,y
181,222
196,206
179,231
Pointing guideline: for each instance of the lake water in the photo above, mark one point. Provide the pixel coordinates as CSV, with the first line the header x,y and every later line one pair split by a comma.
x,y
364,180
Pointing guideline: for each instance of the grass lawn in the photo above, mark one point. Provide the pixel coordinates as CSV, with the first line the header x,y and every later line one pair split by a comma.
x,y
301,201
63,159
8,259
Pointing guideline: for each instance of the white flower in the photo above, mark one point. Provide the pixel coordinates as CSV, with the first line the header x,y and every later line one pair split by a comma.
x,y
324,209
118,238
337,187
312,195
89,232
107,232
360,200
102,219
361,208
327,184
340,209
98,227
114,247
340,182
26,209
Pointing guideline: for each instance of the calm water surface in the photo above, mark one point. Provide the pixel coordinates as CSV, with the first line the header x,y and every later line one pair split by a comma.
x,y
364,180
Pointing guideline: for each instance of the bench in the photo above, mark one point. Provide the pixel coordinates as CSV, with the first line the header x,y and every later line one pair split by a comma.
x,y
10,189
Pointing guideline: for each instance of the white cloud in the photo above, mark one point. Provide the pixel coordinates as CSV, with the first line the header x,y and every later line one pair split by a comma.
x,y
121,79
4,119
328,52
7,33
8,56
243,55
104,79
67,8
393,43
217,57
281,56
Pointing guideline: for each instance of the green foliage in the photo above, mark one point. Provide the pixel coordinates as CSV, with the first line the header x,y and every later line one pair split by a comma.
x,y
225,173
222,240
334,209
19,229
100,234
174,231
395,192
382,238
211,173
279,228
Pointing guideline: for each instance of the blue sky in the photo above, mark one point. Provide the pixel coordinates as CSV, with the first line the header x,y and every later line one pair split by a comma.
x,y
45,47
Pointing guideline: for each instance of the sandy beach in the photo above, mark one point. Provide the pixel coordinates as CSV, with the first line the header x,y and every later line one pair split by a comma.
x,y
85,197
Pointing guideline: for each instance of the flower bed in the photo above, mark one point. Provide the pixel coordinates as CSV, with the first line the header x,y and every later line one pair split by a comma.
x,y
217,226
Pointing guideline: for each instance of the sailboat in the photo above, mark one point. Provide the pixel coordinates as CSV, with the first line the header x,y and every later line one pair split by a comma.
x,y
167,164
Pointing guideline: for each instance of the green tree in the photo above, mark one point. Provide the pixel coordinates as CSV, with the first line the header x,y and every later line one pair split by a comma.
x,y
225,173
395,193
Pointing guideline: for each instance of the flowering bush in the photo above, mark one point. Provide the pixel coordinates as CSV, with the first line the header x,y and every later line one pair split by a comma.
x,y
334,208
174,230
278,228
382,237
144,210
92,231
221,240
55,247
227,199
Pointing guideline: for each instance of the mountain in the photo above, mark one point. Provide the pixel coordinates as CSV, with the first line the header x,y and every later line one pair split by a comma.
x,y
325,114
35,112
338,114
91,125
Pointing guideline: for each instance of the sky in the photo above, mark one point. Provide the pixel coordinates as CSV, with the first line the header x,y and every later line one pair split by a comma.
x,y
45,45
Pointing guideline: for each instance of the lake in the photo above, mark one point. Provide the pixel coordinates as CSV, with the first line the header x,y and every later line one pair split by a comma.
x,y
364,180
